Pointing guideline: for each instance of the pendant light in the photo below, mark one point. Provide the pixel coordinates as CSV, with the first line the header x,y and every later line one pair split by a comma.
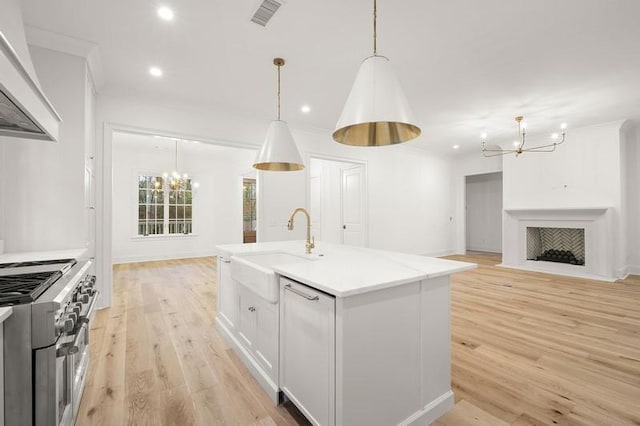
x,y
279,152
376,112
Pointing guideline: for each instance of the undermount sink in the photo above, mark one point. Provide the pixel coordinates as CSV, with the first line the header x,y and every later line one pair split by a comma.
x,y
255,271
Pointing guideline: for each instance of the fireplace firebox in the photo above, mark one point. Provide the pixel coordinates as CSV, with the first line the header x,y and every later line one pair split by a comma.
x,y
563,245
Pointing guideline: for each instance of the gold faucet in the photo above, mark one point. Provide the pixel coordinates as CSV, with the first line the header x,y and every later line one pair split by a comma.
x,y
310,240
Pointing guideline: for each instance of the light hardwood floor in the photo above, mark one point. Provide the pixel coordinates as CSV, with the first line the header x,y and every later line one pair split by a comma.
x,y
527,349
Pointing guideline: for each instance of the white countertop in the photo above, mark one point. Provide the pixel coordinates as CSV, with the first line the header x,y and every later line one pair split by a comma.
x,y
5,313
345,271
28,256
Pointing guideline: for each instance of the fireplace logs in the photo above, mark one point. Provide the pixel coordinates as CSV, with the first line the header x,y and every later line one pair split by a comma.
x,y
562,256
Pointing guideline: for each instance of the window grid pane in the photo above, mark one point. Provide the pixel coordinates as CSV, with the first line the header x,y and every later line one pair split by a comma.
x,y
181,208
151,205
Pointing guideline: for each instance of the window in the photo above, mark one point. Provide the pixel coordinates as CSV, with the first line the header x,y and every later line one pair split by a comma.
x,y
164,207
249,210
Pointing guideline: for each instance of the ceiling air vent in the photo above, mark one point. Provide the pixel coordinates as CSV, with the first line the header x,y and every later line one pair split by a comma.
x,y
265,12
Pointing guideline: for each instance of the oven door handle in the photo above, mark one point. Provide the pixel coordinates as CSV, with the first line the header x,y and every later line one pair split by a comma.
x,y
70,348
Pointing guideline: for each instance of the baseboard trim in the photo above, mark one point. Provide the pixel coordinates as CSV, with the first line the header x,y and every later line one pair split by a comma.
x,y
633,270
483,249
432,411
575,275
263,380
155,258
440,253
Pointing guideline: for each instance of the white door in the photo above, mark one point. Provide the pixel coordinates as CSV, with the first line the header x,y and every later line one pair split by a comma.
x,y
353,206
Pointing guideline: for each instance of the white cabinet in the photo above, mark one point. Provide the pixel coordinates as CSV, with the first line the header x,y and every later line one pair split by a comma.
x,y
307,350
251,324
258,330
227,295
377,358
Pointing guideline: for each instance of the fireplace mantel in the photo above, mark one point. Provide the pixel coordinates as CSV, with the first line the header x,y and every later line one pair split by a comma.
x,y
597,225
574,211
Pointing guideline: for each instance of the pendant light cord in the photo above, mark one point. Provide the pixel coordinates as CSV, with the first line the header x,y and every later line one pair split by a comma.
x,y
278,105
375,27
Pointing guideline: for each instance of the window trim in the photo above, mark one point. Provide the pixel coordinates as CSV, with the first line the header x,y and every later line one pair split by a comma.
x,y
136,206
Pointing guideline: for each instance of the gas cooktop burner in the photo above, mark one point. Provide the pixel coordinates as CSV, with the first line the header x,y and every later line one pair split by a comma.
x,y
35,263
25,288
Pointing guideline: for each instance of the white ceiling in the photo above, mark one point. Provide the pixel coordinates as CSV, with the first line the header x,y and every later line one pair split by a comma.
x,y
467,66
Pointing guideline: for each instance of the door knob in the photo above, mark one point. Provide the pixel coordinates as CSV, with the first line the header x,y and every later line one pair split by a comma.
x,y
344,226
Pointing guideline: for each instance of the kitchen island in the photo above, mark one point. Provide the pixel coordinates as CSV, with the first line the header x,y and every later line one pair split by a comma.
x,y
350,335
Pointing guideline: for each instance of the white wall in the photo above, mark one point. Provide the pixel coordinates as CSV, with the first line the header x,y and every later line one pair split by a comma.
x,y
410,201
583,172
43,182
410,197
484,212
217,205
279,193
467,165
631,161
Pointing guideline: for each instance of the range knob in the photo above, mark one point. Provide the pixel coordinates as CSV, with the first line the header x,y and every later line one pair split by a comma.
x,y
77,308
90,291
73,317
81,298
65,326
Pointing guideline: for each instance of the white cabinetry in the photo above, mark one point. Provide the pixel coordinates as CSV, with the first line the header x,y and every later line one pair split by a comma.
x,y
307,350
378,358
258,330
227,295
251,324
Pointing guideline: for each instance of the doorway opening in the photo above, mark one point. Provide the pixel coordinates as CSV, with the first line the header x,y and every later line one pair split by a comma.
x,y
249,210
338,201
484,212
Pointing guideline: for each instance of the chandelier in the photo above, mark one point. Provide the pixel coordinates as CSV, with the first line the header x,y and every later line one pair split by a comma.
x,y
519,145
176,180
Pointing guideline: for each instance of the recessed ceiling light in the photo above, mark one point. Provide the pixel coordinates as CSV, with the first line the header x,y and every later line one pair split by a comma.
x,y
165,13
155,71
306,109
456,146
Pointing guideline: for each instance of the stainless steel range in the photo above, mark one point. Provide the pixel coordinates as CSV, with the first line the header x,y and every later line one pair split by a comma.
x,y
46,352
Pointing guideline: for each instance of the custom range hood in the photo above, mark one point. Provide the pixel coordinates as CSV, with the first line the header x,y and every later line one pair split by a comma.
x,y
25,112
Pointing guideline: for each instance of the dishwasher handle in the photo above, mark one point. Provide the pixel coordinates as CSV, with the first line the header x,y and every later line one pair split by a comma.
x,y
300,293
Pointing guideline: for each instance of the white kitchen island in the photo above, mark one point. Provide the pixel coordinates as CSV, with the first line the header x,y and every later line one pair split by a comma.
x,y
352,336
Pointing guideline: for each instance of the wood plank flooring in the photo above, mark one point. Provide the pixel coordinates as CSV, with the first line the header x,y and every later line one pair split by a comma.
x,y
158,360
537,349
527,349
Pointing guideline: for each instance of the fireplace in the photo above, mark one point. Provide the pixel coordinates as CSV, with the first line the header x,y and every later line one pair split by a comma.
x,y
562,245
547,240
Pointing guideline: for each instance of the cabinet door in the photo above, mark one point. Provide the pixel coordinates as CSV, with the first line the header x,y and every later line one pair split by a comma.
x,y
227,295
307,350
247,318
267,337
